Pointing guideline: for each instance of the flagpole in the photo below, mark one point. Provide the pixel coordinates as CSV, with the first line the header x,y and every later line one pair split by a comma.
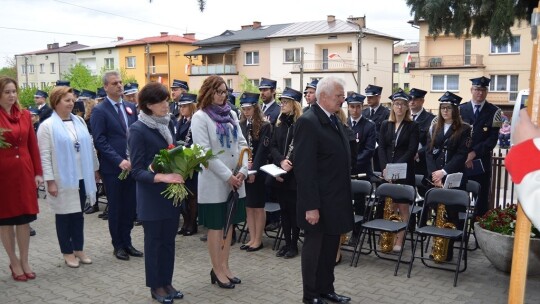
x,y
520,256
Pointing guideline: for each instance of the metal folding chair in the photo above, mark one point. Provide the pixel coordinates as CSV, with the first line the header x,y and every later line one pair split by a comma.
x,y
360,188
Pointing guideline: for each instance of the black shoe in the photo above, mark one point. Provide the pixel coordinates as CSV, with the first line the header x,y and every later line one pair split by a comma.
x,y
92,209
334,297
214,279
137,223
282,251
121,254
32,231
272,226
103,214
314,301
173,293
204,238
252,249
291,253
235,280
181,231
244,247
188,231
133,252
160,299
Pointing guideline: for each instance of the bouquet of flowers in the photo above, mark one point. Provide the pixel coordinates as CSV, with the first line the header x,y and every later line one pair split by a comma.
x,y
502,221
3,143
184,161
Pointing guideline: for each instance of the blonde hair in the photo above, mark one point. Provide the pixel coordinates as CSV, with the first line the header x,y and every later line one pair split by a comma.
x,y
297,111
342,116
407,117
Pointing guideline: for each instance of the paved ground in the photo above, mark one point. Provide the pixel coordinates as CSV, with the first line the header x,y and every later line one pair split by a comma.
x,y
266,279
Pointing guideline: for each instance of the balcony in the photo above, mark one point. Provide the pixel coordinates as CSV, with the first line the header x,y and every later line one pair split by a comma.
x,y
158,69
447,61
210,69
339,65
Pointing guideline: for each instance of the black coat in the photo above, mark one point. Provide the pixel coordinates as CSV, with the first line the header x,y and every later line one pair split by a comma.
x,y
447,153
44,113
279,148
364,137
322,167
404,150
485,130
424,122
379,116
183,132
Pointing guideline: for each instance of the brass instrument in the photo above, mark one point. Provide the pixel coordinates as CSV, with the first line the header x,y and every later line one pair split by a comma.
x,y
249,126
439,251
387,239
291,147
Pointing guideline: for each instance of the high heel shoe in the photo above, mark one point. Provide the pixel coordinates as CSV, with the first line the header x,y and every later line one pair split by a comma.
x,y
234,280
214,279
161,299
18,278
83,258
30,275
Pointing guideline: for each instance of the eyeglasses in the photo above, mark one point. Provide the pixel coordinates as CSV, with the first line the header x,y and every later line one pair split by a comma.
x,y
446,108
399,105
219,92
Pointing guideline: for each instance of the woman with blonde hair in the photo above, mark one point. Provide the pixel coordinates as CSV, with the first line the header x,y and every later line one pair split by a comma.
x,y
215,127
282,153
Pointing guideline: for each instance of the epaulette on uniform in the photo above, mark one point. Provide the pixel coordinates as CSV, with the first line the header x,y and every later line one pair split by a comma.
x,y
498,119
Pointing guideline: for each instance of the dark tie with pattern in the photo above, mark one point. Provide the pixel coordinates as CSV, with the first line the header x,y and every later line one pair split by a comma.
x,y
264,108
334,120
414,117
476,112
372,113
121,115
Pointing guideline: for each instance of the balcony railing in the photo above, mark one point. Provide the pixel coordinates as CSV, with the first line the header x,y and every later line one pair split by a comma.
x,y
218,69
446,61
336,65
159,69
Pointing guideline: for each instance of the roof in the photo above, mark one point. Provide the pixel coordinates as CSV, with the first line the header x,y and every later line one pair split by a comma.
x,y
248,34
107,45
413,47
159,39
69,48
322,27
212,50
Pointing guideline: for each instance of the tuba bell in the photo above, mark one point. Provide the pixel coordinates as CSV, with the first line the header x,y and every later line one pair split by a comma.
x,y
439,252
387,239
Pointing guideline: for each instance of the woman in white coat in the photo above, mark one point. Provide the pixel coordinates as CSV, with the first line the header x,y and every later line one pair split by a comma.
x,y
70,171
214,126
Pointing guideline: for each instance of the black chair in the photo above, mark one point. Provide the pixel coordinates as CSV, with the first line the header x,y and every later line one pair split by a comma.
x,y
473,187
360,188
271,207
400,194
450,198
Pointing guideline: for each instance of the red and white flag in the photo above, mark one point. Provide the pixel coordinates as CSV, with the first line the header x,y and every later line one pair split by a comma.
x,y
408,59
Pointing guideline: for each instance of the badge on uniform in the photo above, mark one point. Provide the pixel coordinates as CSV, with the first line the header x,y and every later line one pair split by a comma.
x,y
129,111
357,139
485,129
266,141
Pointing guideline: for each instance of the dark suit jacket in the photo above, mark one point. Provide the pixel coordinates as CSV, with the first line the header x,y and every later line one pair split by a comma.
x,y
485,130
182,130
447,153
379,116
279,148
44,113
364,136
404,150
424,122
322,166
144,143
174,109
110,138
273,113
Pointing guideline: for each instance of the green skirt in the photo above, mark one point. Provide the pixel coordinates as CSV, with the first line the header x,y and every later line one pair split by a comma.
x,y
212,216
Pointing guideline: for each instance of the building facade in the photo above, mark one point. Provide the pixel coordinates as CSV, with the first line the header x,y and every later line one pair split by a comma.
x,y
405,55
100,58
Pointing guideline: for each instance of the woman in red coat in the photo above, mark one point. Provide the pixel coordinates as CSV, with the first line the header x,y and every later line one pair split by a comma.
x,y
21,173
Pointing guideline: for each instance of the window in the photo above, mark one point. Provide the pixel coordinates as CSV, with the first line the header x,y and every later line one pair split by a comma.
x,y
31,69
254,82
505,83
229,83
109,63
23,69
42,67
395,67
292,55
52,68
43,85
445,82
406,86
287,82
129,50
130,62
509,48
395,87
252,58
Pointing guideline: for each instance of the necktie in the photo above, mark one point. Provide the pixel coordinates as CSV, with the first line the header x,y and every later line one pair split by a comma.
x,y
334,120
372,113
414,116
264,108
121,115
354,123
476,112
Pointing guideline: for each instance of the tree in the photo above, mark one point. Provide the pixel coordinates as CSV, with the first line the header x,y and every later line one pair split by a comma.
x,y
11,69
80,78
476,18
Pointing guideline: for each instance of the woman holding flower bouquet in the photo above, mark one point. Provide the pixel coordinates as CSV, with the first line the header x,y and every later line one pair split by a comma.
x,y
216,127
153,132
20,166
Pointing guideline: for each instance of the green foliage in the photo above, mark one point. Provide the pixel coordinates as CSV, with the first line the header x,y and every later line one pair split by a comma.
x,y
247,85
502,221
9,72
476,18
26,96
80,78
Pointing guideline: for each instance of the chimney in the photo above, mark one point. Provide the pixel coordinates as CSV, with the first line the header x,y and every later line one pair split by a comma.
x,y
360,21
164,34
72,43
119,38
256,24
330,18
245,27
189,36
52,46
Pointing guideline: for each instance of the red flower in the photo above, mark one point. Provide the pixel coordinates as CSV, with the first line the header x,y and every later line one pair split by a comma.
x,y
169,147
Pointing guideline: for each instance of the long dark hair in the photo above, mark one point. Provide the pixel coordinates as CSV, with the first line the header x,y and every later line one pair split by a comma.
x,y
457,125
257,120
208,89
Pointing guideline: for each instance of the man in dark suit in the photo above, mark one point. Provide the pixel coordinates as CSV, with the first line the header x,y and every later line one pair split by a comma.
x,y
486,120
43,109
376,113
270,108
309,94
423,118
178,88
110,121
324,190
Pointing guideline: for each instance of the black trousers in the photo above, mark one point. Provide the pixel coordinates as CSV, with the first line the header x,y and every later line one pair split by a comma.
x,y
70,227
482,205
159,247
287,204
318,261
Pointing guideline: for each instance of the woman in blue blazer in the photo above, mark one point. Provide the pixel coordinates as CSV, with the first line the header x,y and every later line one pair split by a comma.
x,y
152,132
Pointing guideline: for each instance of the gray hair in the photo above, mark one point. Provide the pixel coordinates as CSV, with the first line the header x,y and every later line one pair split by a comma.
x,y
327,84
107,74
